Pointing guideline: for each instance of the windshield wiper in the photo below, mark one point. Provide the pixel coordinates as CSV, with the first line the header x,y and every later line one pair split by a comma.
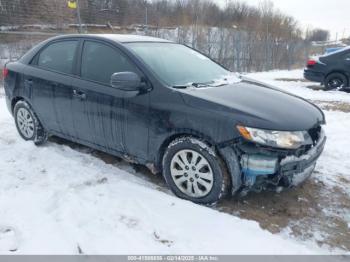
x,y
194,84
204,84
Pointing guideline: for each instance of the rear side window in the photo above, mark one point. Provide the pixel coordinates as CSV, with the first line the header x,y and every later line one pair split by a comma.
x,y
59,56
100,62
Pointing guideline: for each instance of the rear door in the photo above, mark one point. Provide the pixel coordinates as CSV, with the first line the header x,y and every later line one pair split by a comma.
x,y
50,76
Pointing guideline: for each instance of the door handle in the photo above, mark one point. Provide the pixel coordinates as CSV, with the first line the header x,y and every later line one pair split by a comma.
x,y
79,94
28,82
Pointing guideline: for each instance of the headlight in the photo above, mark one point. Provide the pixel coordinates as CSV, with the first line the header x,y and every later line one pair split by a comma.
x,y
278,139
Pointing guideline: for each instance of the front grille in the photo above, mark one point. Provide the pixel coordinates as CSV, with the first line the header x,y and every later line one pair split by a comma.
x,y
315,134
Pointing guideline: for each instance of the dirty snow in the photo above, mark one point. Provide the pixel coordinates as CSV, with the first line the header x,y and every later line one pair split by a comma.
x,y
56,200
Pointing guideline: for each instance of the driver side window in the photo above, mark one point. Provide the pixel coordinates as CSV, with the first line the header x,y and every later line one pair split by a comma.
x,y
100,61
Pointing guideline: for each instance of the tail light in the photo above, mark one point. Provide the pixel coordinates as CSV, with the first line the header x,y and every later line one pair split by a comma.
x,y
311,63
5,72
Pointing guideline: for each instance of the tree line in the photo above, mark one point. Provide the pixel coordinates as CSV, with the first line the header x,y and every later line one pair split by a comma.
x,y
240,36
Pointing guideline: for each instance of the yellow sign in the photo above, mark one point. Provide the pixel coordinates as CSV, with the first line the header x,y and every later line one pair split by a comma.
x,y
72,4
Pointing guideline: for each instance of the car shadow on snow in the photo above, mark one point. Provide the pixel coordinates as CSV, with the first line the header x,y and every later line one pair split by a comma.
x,y
312,211
135,169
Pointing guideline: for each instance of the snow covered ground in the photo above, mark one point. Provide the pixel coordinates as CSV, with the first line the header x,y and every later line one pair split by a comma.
x,y
57,200
283,79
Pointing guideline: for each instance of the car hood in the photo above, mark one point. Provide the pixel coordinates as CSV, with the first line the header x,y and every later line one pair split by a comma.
x,y
256,104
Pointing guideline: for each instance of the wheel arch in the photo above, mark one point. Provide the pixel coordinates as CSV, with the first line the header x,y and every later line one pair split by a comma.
x,y
15,100
338,71
208,146
181,133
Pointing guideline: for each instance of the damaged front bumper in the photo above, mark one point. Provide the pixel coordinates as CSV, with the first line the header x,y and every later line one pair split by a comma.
x,y
254,168
296,169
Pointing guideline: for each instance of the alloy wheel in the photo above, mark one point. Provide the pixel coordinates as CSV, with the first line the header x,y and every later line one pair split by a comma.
x,y
336,83
25,123
192,173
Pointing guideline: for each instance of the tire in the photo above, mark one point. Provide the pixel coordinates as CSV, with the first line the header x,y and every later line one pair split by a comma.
x,y
190,161
336,81
28,125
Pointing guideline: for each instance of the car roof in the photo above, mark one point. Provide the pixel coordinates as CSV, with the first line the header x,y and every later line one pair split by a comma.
x,y
121,38
118,38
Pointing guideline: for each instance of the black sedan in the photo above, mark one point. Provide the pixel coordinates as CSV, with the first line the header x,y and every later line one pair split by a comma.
x,y
332,70
209,132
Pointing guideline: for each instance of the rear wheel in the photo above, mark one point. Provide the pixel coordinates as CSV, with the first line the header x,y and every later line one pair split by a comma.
x,y
336,81
194,172
28,125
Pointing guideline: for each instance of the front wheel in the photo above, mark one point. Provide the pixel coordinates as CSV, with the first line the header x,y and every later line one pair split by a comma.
x,y
194,172
28,125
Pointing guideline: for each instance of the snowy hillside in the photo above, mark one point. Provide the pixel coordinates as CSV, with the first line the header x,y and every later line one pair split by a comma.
x,y
64,199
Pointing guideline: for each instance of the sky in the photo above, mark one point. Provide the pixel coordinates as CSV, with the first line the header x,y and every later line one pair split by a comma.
x,y
331,15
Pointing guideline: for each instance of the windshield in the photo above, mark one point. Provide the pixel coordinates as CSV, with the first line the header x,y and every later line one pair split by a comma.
x,y
178,65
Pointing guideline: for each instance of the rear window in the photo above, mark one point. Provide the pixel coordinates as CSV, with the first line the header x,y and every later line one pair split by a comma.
x,y
58,57
341,51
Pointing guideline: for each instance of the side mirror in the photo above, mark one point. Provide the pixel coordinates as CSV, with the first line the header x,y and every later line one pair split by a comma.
x,y
126,81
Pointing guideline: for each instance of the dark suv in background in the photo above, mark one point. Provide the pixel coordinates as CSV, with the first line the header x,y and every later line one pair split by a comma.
x,y
332,70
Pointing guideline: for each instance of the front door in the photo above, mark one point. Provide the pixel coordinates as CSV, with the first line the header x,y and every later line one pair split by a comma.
x,y
101,111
